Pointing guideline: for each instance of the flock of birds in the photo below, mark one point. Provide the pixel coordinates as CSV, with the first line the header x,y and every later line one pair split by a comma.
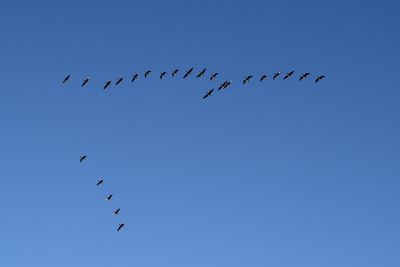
x,y
108,198
213,76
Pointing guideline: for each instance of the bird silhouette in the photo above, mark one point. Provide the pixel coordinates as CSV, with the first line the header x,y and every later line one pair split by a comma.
x,y
82,158
174,72
247,79
119,80
213,76
66,78
201,73
304,76
162,74
319,78
107,84
276,75
188,72
116,212
85,81
147,73
134,77
109,197
288,75
208,93
99,182
221,86
120,226
263,77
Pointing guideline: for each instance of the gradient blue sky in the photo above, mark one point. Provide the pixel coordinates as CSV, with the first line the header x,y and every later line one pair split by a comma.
x,y
274,174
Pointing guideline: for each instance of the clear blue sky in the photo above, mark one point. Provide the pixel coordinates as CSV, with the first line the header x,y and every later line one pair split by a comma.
x,y
275,174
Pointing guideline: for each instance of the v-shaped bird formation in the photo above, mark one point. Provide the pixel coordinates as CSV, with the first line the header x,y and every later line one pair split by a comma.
x,y
109,197
201,73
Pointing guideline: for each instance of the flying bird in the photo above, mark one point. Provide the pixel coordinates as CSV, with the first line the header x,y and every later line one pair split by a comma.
x,y
107,84
82,158
66,78
85,81
276,75
222,85
99,182
227,83
247,79
175,72
319,78
201,73
263,77
134,77
208,93
109,197
188,73
119,81
120,227
162,74
288,75
116,212
213,76
303,76
147,73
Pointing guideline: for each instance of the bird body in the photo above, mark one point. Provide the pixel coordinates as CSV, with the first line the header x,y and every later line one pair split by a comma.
x,y
109,197
85,81
188,72
82,158
288,75
263,77
107,84
304,76
276,75
119,80
208,93
116,212
319,78
162,74
213,76
120,226
174,72
201,73
99,182
147,73
66,78
134,77
247,79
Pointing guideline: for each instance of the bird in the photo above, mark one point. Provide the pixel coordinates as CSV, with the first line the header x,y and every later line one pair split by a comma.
x,y
201,73
247,79
162,74
147,73
116,212
222,85
66,78
85,81
174,72
120,226
99,182
82,158
227,83
107,84
276,75
208,93
288,75
119,81
109,197
213,76
319,78
303,76
188,72
134,77
263,77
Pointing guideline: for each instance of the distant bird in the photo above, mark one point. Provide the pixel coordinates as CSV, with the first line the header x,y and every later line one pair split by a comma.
x,y
222,85
188,72
201,73
99,182
208,93
109,197
303,76
213,76
107,84
162,74
82,158
288,75
276,75
319,78
116,212
85,81
227,83
247,79
66,78
147,73
119,81
134,77
175,72
120,227
263,77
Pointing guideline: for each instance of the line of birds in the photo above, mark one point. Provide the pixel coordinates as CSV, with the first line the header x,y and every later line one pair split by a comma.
x,y
108,198
213,76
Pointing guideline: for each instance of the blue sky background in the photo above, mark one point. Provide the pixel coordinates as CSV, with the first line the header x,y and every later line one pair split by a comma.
x,y
274,174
